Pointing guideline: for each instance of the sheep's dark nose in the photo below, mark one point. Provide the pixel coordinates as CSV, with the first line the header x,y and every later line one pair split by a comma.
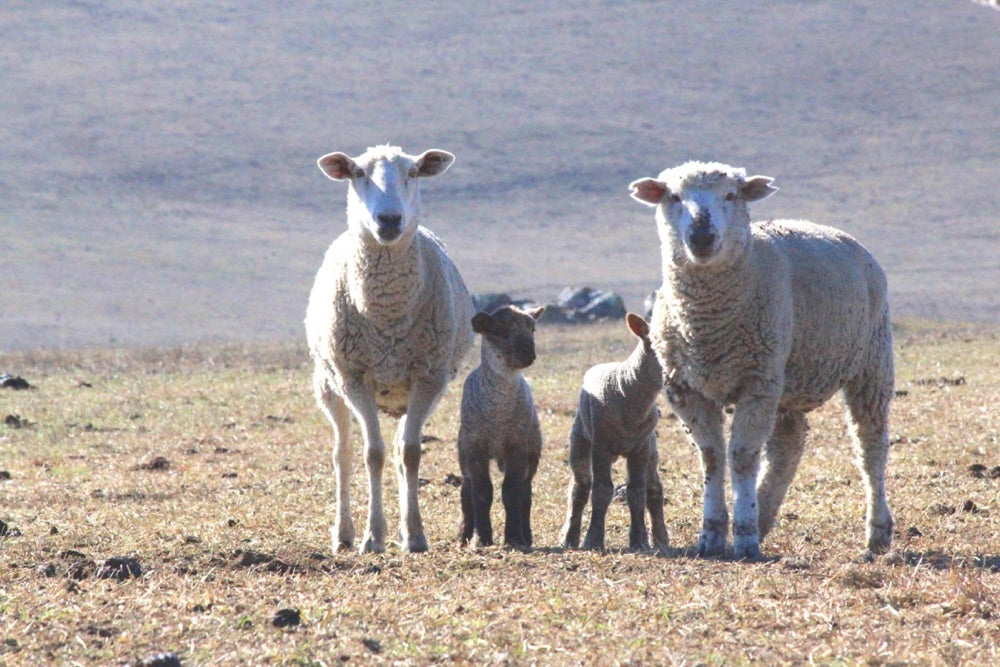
x,y
390,219
701,240
390,226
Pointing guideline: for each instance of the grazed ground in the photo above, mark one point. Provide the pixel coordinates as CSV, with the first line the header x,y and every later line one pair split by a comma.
x,y
157,159
209,467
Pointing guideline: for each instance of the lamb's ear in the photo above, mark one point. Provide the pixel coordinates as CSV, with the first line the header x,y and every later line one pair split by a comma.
x,y
338,166
432,163
757,187
637,325
536,312
481,322
648,191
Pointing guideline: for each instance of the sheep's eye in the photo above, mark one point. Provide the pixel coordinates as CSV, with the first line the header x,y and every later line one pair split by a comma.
x,y
730,196
359,173
674,199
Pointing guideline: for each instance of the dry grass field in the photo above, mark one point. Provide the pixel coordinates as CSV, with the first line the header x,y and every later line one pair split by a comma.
x,y
210,467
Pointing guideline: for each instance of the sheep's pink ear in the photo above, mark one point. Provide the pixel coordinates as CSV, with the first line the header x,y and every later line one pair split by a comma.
x,y
338,166
637,325
432,163
648,191
536,312
757,187
481,322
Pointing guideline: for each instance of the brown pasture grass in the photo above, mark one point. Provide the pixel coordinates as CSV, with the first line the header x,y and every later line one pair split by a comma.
x,y
231,525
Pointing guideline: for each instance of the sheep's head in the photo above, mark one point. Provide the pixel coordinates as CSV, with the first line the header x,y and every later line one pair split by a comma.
x,y
508,336
701,209
383,198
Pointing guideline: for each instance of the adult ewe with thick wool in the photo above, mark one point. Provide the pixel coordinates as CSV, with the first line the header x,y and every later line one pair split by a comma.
x,y
772,318
388,324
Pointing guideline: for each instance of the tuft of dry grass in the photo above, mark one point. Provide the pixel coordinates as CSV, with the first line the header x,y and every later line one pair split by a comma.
x,y
209,466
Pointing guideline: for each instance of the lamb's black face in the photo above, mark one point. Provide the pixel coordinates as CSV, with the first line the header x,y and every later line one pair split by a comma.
x,y
511,332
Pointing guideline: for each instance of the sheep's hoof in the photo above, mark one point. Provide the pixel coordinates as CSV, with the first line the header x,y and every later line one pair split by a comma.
x,y
746,547
416,544
341,538
372,546
570,537
711,545
879,538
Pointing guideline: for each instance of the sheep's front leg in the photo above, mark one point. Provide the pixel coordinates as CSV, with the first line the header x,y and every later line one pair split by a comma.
x,y
336,410
423,397
703,420
753,421
635,494
477,497
513,493
361,399
579,486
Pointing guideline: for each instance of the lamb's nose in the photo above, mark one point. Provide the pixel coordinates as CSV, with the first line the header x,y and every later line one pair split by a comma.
x,y
390,218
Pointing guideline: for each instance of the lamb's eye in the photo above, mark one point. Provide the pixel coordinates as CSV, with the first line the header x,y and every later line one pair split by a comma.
x,y
674,199
731,196
359,173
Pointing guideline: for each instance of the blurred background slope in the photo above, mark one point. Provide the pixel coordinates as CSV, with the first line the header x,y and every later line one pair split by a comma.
x,y
157,159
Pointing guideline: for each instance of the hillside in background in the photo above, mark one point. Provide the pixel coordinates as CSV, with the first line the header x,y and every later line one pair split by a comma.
x,y
157,162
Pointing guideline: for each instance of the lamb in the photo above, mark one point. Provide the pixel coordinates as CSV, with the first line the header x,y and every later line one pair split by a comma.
x,y
772,318
499,422
617,416
388,324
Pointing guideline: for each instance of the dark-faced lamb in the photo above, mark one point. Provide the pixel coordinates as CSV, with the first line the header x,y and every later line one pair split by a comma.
x,y
499,423
771,318
387,326
616,417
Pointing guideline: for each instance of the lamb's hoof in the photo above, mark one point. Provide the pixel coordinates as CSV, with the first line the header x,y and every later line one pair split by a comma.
x,y
569,538
746,547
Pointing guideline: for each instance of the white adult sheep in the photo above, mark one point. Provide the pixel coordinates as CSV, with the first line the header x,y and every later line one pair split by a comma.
x,y
772,318
388,324
617,416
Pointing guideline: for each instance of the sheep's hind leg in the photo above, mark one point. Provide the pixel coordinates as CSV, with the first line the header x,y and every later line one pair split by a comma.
x,y
868,412
654,499
529,478
336,410
468,525
635,494
601,495
782,455
579,488
703,419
